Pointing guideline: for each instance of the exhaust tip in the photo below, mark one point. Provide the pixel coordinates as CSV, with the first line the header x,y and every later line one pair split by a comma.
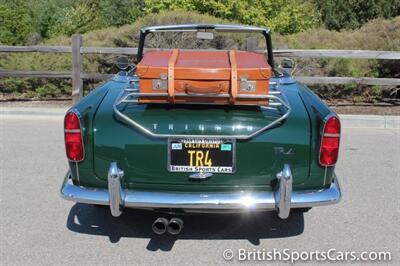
x,y
175,226
160,226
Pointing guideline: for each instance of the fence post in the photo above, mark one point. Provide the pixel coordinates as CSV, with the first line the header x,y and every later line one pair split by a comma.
x,y
251,44
77,83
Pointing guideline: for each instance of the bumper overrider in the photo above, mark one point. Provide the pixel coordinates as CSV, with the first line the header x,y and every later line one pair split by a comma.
x,y
282,199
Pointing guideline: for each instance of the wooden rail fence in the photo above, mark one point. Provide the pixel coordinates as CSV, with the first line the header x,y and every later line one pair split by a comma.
x,y
77,75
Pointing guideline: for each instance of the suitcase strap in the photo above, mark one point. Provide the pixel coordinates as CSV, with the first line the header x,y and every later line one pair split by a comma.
x,y
234,83
171,77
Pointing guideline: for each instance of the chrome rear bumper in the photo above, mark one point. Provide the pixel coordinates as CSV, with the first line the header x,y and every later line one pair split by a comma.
x,y
282,199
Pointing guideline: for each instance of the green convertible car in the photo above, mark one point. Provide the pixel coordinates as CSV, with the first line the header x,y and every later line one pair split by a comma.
x,y
204,156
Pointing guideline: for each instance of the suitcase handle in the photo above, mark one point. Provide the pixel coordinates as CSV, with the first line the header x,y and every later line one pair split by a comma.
x,y
206,90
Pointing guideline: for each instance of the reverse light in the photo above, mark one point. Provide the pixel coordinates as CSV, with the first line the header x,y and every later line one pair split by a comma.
x,y
73,137
330,140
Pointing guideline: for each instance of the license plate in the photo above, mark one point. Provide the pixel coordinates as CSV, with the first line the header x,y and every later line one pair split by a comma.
x,y
201,155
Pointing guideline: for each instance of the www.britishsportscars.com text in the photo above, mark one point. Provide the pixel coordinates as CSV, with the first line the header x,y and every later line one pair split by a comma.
x,y
293,256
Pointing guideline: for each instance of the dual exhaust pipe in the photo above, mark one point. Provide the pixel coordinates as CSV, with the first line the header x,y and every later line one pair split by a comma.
x,y
162,225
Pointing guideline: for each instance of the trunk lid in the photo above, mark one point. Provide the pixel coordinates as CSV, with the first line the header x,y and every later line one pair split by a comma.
x,y
144,159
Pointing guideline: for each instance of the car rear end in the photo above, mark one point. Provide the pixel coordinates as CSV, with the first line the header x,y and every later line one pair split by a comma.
x,y
202,158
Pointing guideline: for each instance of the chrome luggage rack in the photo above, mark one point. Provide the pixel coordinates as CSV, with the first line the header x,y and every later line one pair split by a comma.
x,y
130,95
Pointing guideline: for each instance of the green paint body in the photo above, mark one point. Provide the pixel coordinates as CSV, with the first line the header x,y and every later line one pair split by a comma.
x,y
144,159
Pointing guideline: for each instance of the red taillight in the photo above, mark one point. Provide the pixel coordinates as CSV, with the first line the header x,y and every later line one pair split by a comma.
x,y
330,140
73,137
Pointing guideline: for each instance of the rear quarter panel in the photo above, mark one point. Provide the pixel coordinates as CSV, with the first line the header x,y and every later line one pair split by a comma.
x,y
320,176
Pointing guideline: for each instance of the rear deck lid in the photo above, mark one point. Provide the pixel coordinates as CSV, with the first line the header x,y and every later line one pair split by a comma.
x,y
144,159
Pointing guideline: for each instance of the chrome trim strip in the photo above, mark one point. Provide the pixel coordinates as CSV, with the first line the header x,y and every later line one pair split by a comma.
x,y
278,101
332,135
77,172
222,201
325,173
72,130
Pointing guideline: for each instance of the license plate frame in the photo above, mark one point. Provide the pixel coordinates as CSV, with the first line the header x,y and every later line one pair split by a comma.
x,y
228,167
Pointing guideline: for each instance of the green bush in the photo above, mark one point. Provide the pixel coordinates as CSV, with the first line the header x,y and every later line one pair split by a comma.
x,y
34,88
48,91
15,24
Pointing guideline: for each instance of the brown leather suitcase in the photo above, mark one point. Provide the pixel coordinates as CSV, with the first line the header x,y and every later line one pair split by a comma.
x,y
202,76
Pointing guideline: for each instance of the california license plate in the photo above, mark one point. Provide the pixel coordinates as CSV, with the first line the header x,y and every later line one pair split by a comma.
x,y
201,155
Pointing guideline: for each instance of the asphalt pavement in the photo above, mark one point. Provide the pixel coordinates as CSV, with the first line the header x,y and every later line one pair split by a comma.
x,y
38,227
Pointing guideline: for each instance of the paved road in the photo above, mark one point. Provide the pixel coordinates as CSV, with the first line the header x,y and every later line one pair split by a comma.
x,y
38,227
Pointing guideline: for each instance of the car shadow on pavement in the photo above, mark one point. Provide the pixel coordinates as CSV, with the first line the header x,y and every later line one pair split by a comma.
x,y
133,223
